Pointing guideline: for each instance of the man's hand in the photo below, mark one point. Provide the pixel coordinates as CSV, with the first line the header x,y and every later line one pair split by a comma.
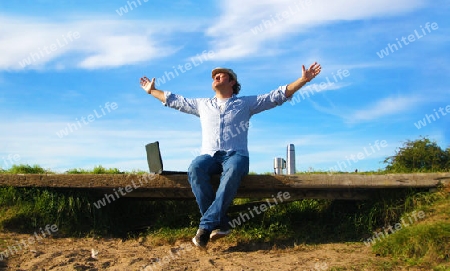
x,y
148,85
309,74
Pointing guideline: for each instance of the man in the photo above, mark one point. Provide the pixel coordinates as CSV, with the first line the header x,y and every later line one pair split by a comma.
x,y
225,122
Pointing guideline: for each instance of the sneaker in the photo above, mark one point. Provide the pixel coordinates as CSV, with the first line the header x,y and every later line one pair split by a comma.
x,y
219,233
201,238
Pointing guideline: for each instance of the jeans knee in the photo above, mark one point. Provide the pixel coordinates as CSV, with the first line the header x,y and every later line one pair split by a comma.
x,y
192,168
238,167
196,166
199,168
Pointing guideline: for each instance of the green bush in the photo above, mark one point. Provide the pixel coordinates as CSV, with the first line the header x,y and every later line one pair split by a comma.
x,y
97,170
27,169
421,155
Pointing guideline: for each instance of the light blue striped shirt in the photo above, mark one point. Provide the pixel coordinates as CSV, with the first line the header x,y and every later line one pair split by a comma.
x,y
226,129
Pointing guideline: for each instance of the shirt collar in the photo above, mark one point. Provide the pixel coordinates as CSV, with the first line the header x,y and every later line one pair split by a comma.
x,y
231,98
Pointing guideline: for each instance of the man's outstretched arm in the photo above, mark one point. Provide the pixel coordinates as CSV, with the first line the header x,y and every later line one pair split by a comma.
x,y
149,87
307,75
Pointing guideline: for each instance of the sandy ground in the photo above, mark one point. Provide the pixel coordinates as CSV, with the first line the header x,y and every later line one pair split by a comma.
x,y
54,253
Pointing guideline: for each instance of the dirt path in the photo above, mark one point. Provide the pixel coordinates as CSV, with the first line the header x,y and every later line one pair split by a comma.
x,y
115,254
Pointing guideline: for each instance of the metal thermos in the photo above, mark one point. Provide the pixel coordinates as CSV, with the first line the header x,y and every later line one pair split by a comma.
x,y
290,157
278,165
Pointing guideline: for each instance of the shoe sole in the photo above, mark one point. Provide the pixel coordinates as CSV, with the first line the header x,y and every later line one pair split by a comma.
x,y
198,245
217,235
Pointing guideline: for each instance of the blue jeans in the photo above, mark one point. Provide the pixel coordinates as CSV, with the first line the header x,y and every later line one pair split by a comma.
x,y
214,205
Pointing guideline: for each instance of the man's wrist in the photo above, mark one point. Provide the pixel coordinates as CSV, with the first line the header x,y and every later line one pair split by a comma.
x,y
303,80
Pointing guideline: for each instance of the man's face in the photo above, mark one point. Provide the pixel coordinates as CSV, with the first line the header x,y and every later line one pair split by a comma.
x,y
222,79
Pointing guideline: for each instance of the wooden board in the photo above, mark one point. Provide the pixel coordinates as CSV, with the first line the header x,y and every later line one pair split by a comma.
x,y
176,186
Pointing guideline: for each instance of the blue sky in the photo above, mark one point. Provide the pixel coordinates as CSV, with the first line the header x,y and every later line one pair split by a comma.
x,y
70,94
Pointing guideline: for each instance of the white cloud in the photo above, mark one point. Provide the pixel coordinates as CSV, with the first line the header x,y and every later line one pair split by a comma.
x,y
384,107
324,86
101,142
91,43
241,32
114,51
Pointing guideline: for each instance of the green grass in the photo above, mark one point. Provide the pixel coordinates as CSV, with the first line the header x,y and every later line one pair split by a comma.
x,y
25,209
311,222
36,169
423,243
97,170
25,169
418,243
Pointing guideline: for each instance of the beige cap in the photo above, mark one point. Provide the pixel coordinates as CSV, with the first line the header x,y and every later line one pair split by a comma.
x,y
229,71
